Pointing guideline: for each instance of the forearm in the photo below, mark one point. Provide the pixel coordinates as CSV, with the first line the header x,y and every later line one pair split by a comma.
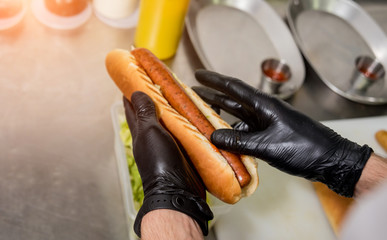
x,y
168,224
374,172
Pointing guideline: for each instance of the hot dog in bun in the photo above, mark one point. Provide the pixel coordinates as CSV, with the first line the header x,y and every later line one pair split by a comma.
x,y
188,118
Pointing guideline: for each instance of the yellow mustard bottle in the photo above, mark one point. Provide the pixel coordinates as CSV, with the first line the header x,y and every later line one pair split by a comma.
x,y
160,26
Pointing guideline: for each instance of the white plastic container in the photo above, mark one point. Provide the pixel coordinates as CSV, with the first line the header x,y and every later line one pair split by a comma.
x,y
117,112
117,13
7,19
55,21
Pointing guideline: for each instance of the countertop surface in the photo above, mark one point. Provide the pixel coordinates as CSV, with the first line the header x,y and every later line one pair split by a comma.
x,y
58,174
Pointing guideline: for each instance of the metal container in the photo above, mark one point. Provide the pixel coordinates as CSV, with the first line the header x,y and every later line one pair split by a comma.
x,y
332,34
275,73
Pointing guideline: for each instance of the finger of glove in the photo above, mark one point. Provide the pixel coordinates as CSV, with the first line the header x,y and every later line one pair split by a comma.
x,y
238,90
260,108
149,133
216,109
154,134
218,99
155,150
242,126
130,116
156,153
237,141
144,108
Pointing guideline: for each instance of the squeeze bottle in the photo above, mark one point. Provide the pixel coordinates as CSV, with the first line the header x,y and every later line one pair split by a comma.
x,y
160,26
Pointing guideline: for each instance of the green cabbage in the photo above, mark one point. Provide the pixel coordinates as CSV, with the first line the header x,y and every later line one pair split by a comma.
x,y
135,179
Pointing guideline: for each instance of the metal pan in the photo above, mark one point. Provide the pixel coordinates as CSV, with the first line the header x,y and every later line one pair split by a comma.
x,y
234,37
332,35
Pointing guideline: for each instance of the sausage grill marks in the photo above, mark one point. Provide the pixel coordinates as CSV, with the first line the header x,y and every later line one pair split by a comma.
x,y
179,100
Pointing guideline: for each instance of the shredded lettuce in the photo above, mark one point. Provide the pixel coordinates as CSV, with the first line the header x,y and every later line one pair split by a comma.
x,y
135,179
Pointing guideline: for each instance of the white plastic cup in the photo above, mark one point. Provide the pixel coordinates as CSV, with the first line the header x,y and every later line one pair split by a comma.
x,y
62,14
11,13
117,13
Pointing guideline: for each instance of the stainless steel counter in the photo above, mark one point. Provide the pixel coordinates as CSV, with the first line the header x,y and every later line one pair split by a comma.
x,y
58,175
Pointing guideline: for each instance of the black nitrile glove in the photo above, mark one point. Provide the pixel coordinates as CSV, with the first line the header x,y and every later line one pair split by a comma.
x,y
168,179
285,138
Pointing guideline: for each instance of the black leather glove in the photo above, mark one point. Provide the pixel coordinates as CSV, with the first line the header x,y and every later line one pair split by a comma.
x,y
169,181
285,138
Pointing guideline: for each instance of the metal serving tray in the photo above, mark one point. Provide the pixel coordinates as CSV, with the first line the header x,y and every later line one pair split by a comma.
x,y
331,35
234,37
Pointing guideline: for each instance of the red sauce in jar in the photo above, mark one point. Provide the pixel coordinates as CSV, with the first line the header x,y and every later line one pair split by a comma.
x,y
66,8
275,75
368,74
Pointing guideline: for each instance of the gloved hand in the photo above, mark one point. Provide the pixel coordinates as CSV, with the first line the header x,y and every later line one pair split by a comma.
x,y
285,138
169,181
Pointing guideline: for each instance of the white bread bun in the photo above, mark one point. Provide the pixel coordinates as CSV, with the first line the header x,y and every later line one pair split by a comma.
x,y
216,173
336,207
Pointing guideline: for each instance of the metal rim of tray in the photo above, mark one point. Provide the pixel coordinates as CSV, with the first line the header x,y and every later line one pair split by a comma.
x,y
276,32
336,7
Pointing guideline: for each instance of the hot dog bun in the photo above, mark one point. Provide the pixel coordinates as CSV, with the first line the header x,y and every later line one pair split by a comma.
x,y
335,206
381,138
217,175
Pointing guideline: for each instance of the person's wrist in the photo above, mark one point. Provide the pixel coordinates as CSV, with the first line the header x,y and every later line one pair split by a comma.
x,y
375,171
184,202
157,225
349,162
